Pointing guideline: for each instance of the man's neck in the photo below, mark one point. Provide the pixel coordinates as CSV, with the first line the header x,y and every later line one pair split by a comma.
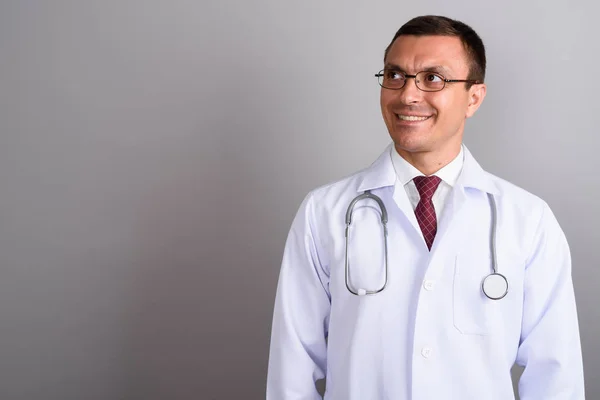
x,y
429,162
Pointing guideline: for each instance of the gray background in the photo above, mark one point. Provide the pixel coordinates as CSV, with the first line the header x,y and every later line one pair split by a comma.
x,y
153,154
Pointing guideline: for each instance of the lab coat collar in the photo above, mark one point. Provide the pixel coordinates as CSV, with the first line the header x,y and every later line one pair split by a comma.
x,y
473,176
382,174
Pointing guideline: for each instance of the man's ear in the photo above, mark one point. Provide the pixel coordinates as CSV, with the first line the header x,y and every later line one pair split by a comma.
x,y
476,96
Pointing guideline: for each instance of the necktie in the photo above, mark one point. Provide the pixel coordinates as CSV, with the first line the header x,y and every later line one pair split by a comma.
x,y
425,212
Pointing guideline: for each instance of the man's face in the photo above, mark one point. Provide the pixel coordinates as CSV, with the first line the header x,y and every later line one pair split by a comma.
x,y
445,111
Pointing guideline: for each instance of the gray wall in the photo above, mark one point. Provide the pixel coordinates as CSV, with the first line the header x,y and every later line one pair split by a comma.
x,y
153,154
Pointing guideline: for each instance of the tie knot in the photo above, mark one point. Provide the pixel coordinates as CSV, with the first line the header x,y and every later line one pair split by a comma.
x,y
426,185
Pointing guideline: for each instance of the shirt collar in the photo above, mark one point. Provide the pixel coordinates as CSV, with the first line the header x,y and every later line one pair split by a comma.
x,y
382,173
406,172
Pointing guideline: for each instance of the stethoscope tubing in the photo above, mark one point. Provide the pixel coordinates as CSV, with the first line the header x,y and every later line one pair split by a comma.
x,y
384,219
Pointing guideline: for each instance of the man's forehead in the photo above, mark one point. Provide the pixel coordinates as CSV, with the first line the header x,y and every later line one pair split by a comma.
x,y
427,52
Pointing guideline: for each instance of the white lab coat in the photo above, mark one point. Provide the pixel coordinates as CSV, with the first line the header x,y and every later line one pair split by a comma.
x,y
431,334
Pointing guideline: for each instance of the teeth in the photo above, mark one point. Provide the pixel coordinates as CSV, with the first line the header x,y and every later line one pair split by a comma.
x,y
411,118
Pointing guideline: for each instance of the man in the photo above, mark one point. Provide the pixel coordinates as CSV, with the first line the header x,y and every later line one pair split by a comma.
x,y
411,315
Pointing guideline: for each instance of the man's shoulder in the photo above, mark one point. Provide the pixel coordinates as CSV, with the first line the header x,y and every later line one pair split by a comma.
x,y
512,194
330,199
338,188
379,174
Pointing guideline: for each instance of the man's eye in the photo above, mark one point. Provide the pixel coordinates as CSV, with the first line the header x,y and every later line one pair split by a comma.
x,y
394,75
433,78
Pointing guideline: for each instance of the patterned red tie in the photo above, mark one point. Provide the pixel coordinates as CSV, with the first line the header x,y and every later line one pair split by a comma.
x,y
425,212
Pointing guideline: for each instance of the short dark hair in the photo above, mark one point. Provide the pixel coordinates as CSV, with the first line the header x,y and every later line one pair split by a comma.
x,y
434,25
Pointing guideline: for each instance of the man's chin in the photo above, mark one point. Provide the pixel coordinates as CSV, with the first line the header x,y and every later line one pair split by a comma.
x,y
410,143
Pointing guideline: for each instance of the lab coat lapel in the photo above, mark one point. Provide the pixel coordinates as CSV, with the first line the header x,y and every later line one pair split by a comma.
x,y
402,201
382,174
471,177
454,205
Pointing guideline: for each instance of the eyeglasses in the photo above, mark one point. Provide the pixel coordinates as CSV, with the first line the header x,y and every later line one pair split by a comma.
x,y
425,81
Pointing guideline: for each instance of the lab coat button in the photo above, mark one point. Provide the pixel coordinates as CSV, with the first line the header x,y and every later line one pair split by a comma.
x,y
426,352
428,285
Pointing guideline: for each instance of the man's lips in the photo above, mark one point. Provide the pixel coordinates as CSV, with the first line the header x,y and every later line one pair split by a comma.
x,y
412,117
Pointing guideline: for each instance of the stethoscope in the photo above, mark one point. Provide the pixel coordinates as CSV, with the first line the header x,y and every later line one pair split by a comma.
x,y
494,286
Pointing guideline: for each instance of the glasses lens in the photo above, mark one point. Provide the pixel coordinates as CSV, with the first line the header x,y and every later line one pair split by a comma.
x,y
430,81
391,79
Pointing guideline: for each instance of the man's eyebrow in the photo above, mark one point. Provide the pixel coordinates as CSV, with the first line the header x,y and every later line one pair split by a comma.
x,y
437,68
393,66
433,68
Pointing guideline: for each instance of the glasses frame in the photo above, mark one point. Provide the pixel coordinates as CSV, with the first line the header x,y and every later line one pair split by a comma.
x,y
380,74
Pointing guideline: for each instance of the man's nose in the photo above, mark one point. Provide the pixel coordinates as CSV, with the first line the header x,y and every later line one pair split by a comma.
x,y
410,94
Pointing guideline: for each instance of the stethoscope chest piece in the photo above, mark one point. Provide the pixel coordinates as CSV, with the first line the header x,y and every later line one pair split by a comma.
x,y
495,286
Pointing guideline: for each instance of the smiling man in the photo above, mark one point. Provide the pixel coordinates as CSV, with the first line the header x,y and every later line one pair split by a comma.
x,y
424,276
427,128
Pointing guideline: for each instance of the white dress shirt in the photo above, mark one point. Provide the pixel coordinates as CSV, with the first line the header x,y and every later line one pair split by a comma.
x,y
448,174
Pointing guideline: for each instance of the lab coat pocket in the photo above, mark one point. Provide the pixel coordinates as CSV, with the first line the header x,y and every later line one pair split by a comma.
x,y
473,311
